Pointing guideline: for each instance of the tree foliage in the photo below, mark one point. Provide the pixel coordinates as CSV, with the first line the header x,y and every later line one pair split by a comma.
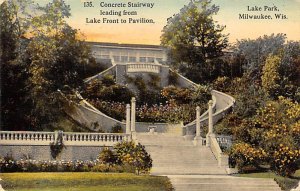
x,y
13,26
274,129
193,37
270,75
255,52
40,53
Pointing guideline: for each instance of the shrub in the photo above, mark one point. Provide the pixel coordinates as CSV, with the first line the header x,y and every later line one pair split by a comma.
x,y
178,95
285,160
173,78
243,155
108,80
134,155
107,156
222,84
117,128
106,89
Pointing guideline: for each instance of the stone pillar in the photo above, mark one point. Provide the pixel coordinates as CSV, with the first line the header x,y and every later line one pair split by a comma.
x,y
210,123
133,104
128,119
198,121
198,139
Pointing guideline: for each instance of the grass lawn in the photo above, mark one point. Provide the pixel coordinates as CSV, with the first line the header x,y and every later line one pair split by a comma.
x,y
285,183
89,181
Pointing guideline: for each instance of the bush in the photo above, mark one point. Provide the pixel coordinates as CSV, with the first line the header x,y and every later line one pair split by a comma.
x,y
173,78
178,95
134,155
29,165
117,128
107,156
244,155
107,90
285,160
222,84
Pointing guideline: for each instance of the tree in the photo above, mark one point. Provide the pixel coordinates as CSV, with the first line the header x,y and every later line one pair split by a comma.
x,y
57,58
193,37
256,51
13,26
270,76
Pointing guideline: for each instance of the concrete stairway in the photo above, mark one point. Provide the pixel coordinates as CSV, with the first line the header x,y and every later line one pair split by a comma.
x,y
194,168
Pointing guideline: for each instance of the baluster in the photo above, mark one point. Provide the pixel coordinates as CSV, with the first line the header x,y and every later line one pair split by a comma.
x,y
112,138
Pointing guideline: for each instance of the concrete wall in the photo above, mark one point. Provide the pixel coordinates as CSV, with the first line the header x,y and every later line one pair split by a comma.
x,y
43,152
91,118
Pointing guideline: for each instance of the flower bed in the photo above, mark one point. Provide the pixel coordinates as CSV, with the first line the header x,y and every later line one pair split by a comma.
x,y
29,165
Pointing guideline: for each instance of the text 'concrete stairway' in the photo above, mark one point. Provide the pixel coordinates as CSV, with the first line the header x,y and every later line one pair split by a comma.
x,y
193,168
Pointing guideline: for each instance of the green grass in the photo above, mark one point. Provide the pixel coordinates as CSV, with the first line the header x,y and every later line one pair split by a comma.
x,y
89,181
284,182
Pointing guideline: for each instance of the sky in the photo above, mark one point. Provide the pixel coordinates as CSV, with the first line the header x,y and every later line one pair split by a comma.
x,y
150,33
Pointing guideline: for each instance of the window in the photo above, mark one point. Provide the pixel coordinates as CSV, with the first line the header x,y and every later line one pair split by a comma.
x,y
132,59
124,58
142,59
116,58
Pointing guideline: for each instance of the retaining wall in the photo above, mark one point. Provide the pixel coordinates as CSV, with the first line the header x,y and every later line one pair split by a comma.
x,y
43,152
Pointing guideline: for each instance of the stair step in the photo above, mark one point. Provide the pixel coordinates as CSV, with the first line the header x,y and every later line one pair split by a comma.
x,y
192,168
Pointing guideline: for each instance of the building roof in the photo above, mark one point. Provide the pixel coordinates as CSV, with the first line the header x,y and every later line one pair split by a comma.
x,y
119,45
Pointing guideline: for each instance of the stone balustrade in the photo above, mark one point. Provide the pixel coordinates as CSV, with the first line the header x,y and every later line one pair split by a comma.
x,y
216,150
224,141
143,67
69,138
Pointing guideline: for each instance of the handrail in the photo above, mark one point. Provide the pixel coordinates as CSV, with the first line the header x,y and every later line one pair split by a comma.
x,y
218,113
216,150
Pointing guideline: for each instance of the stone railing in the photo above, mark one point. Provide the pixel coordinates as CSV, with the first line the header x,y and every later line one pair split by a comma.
x,y
222,104
69,138
224,141
143,67
216,150
190,129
